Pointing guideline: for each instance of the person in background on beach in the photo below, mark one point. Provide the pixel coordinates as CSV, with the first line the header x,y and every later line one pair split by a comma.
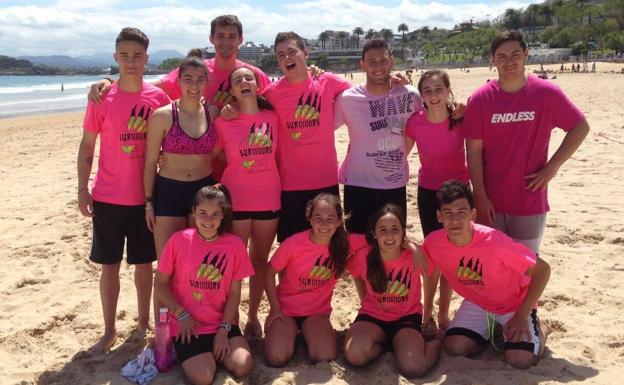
x,y
117,205
186,134
199,279
62,87
375,170
391,313
250,142
226,34
500,280
309,263
440,142
508,125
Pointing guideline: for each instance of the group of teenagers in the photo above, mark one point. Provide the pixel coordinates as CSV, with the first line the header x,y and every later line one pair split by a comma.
x,y
202,170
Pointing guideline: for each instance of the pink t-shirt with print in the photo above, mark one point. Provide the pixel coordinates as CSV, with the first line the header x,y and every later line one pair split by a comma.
x,y
376,157
515,129
402,295
307,277
251,174
217,86
440,150
121,122
306,153
201,275
490,271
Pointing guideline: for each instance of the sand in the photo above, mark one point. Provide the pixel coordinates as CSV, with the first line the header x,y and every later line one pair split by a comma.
x,y
49,300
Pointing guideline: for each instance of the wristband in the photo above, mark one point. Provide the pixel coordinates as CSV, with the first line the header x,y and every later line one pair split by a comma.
x,y
148,199
183,316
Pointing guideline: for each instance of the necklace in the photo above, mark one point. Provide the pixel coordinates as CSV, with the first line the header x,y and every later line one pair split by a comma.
x,y
208,239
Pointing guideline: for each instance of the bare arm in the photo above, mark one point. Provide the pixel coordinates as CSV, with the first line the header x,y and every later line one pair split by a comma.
x,y
474,154
162,289
539,180
269,286
221,344
156,130
84,165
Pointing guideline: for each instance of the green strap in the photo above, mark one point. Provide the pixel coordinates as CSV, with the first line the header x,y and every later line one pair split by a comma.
x,y
491,326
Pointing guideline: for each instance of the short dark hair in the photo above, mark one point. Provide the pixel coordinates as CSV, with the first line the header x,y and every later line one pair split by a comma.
x,y
453,190
195,52
194,62
375,44
132,34
504,37
224,21
289,35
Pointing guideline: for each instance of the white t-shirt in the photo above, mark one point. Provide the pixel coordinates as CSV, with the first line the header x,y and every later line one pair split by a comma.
x,y
376,156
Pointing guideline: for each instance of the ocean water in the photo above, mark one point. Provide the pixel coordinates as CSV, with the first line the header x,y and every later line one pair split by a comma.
x,y
30,95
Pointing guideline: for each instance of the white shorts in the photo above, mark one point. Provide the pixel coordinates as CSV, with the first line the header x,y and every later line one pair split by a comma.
x,y
472,321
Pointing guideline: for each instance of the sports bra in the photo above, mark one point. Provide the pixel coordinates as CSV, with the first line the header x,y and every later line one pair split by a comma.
x,y
179,142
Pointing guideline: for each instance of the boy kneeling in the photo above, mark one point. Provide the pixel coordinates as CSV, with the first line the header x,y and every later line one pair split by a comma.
x,y
500,280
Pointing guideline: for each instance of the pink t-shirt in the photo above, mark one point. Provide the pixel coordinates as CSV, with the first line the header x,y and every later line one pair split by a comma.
x,y
217,86
489,271
202,273
440,150
376,157
251,174
121,121
402,295
307,157
515,129
307,278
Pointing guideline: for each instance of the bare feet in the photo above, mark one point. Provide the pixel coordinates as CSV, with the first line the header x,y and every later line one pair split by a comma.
x,y
105,343
544,330
253,329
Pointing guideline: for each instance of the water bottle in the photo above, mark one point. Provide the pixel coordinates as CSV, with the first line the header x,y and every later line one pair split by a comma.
x,y
163,349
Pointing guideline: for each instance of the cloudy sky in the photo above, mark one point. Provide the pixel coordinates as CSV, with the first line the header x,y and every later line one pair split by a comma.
x,y
83,27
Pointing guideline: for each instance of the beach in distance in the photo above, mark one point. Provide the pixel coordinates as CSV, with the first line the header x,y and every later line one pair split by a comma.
x,y
50,311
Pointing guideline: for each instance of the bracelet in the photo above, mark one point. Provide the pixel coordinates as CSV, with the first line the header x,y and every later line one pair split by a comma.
x,y
178,311
183,316
148,207
148,199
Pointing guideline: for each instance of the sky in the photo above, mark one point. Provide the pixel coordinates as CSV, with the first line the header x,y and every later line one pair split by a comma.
x,y
84,27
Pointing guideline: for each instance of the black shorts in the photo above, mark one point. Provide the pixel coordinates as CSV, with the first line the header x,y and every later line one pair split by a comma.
x,y
174,198
200,345
292,216
112,226
256,215
427,207
362,202
391,328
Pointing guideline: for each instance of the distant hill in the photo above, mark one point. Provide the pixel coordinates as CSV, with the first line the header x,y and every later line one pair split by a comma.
x,y
157,57
62,61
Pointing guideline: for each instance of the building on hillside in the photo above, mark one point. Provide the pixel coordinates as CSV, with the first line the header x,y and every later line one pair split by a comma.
x,y
251,52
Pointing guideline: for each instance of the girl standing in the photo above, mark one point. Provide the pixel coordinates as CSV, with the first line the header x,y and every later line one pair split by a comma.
x,y
249,142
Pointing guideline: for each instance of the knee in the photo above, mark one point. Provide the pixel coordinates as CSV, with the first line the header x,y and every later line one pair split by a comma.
x,y
111,270
458,347
277,357
243,368
322,353
203,377
359,353
411,369
520,359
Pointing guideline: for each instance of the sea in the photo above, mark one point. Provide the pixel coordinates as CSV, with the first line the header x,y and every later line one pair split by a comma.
x,y
32,95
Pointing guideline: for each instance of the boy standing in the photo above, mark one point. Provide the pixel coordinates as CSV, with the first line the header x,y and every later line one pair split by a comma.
x,y
500,280
375,170
117,201
508,124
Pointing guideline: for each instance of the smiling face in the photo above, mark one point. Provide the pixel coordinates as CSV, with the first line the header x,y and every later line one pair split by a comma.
x,y
377,64
243,84
208,215
292,60
324,221
131,57
456,218
226,41
509,59
192,82
435,93
389,235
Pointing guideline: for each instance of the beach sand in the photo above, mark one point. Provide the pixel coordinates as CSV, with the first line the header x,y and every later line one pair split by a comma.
x,y
49,301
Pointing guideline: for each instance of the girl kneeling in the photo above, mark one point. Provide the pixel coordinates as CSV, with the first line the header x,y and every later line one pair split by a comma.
x,y
309,263
199,278
391,313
